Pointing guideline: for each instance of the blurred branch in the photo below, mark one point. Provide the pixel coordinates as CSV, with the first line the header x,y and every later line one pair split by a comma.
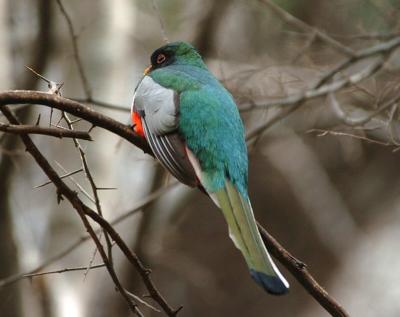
x,y
103,104
62,177
145,202
322,132
93,186
64,191
73,269
160,20
76,53
300,272
353,122
290,19
34,129
319,89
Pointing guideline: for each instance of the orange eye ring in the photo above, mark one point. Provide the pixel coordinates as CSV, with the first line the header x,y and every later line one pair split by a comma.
x,y
161,58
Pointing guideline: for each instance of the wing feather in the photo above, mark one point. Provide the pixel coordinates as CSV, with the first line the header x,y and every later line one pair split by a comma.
x,y
158,109
169,149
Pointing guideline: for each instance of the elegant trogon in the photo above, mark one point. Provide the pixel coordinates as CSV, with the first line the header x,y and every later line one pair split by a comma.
x,y
193,127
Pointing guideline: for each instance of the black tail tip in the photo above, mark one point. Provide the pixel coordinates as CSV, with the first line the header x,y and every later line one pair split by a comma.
x,y
270,283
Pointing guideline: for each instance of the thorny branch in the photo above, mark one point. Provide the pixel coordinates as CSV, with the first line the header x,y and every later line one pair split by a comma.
x,y
83,211
321,88
55,132
300,272
75,47
93,186
73,246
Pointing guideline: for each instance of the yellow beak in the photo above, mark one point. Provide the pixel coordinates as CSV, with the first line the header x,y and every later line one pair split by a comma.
x,y
147,70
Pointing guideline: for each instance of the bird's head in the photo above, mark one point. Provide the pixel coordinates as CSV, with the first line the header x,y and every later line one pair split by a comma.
x,y
177,53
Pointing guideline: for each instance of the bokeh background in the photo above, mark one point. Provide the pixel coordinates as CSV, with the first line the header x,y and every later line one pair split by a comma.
x,y
332,200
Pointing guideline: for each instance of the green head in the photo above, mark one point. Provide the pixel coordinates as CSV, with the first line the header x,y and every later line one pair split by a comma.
x,y
177,53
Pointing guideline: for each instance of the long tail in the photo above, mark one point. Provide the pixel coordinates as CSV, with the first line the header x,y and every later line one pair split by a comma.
x,y
244,233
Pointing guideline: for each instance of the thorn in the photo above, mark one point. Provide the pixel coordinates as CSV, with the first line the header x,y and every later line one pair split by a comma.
x,y
106,188
37,74
38,120
178,310
91,128
59,197
301,265
54,88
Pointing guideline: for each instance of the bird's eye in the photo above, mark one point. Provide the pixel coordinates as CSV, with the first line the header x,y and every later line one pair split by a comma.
x,y
161,58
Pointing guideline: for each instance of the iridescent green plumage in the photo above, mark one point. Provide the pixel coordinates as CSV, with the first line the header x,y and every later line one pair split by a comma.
x,y
210,127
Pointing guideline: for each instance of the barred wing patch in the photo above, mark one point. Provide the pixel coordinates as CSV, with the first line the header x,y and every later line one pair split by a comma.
x,y
170,150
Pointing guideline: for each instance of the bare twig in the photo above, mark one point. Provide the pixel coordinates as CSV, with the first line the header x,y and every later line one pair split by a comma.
x,y
79,186
75,108
66,270
64,190
321,91
290,19
353,122
75,47
322,132
298,100
62,177
145,202
303,276
160,20
138,299
55,132
93,186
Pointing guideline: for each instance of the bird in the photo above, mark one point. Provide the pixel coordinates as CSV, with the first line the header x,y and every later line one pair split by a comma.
x,y
193,127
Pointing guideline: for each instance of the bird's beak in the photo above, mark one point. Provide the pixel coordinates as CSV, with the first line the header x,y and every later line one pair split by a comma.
x,y
147,70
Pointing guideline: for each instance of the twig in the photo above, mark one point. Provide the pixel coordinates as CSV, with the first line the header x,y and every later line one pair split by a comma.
x,y
74,269
297,101
290,19
145,202
300,272
160,20
353,122
64,190
55,132
62,177
324,90
14,97
93,186
79,186
322,132
75,47
138,299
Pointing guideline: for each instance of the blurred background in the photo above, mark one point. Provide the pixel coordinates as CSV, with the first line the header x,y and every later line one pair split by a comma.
x,y
332,199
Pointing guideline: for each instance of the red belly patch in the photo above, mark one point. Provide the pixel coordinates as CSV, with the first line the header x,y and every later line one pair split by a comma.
x,y
137,121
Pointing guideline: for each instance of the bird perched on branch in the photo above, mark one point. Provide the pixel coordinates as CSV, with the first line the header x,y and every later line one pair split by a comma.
x,y
193,127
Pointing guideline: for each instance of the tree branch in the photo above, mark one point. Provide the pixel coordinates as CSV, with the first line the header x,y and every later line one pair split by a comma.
x,y
34,129
300,272
14,97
